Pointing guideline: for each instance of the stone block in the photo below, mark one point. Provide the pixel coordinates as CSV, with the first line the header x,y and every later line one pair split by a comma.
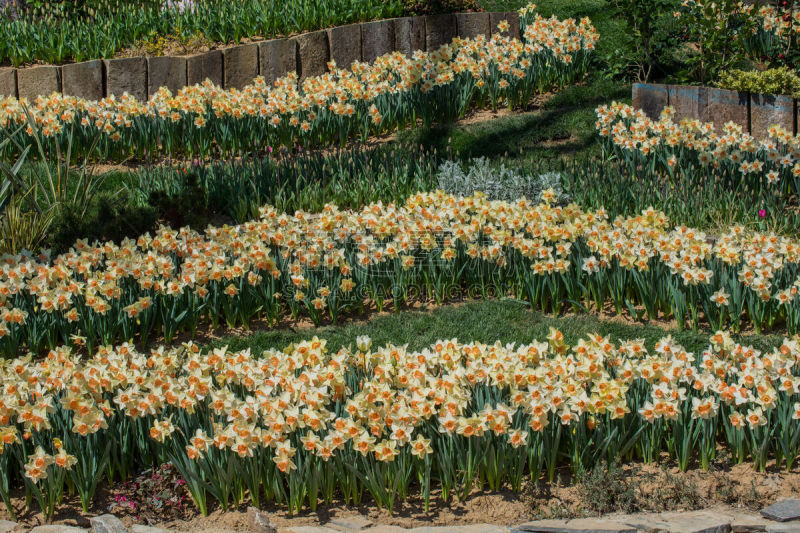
x,y
695,522
200,67
54,528
349,523
723,106
767,110
240,65
783,510
650,98
306,529
748,523
409,34
345,44
107,523
277,58
470,25
259,521
688,101
377,39
36,81
166,71
579,525
312,53
83,79
513,23
139,528
439,30
8,82
127,75
7,526
783,528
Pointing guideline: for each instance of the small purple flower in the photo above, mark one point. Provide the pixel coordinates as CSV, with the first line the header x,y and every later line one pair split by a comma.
x,y
762,213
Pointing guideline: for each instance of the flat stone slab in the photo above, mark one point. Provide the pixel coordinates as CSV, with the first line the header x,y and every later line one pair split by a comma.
x,y
307,529
578,525
57,529
259,521
409,34
345,44
783,510
470,25
127,75
278,57
650,98
350,523
723,106
166,71
687,101
107,523
38,81
749,523
6,526
138,528
384,529
84,80
312,52
513,23
377,39
240,65
439,30
470,528
200,67
767,110
783,528
691,522
8,82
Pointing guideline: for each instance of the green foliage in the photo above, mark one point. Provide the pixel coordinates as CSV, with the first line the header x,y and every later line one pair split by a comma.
x,y
64,31
652,37
781,80
433,7
237,189
717,33
110,217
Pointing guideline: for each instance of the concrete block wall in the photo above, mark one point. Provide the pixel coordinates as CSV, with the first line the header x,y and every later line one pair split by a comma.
x,y
307,54
756,113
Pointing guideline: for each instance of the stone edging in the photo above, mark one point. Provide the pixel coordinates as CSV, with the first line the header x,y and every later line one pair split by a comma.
x,y
781,517
235,67
754,112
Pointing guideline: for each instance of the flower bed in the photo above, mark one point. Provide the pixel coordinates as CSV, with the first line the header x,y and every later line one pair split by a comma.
x,y
436,247
305,425
204,120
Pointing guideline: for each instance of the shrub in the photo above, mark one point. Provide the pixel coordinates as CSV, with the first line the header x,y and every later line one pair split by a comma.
x,y
498,184
782,80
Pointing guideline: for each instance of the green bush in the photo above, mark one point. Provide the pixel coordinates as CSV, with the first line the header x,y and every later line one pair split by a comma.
x,y
781,80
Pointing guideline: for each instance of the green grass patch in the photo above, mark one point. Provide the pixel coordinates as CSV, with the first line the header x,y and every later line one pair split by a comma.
x,y
563,127
485,321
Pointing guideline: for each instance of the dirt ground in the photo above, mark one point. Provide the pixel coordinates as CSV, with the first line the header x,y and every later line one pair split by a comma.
x,y
632,488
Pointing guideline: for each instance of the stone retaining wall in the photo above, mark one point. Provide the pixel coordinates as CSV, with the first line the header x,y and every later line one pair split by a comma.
x,y
307,54
754,112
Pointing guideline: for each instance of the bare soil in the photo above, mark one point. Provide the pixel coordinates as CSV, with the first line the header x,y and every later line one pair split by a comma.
x,y
655,488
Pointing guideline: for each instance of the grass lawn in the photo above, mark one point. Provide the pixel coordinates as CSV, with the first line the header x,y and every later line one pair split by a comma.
x,y
486,321
563,127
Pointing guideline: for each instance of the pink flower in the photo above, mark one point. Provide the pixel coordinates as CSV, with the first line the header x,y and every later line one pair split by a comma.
x,y
762,213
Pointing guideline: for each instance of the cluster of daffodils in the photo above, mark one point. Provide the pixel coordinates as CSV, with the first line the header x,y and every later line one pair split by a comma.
x,y
693,148
331,108
435,247
305,423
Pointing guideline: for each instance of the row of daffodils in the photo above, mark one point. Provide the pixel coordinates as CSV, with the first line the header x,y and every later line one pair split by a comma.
x,y
436,247
360,101
695,149
305,424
